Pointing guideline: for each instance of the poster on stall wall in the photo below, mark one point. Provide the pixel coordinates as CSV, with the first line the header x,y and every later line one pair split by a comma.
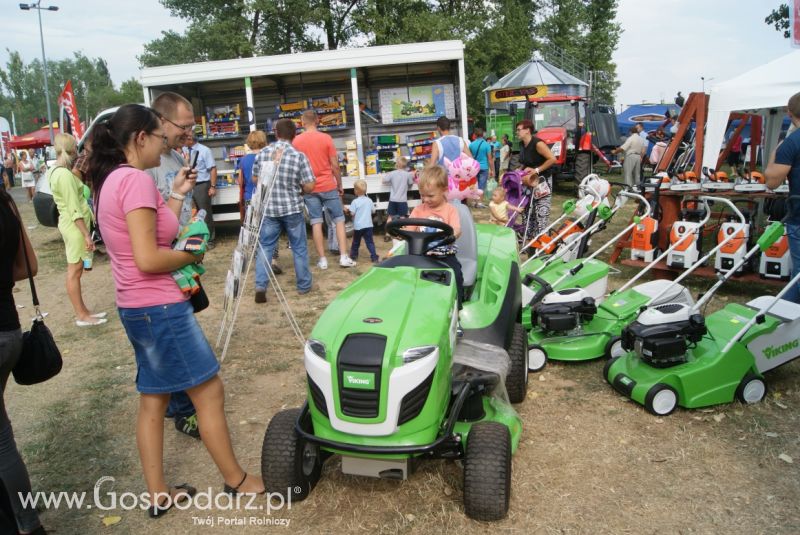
x,y
417,104
794,22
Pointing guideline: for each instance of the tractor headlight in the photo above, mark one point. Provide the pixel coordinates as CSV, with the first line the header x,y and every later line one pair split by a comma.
x,y
415,353
317,348
556,149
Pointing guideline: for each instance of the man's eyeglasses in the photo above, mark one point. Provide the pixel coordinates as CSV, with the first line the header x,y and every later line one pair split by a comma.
x,y
187,127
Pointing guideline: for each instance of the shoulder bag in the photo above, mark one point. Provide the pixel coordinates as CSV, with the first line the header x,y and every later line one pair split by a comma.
x,y
40,359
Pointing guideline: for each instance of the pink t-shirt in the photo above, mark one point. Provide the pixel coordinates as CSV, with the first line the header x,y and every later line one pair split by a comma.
x,y
125,190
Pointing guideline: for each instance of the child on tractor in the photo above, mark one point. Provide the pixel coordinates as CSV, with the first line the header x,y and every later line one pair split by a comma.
x,y
433,187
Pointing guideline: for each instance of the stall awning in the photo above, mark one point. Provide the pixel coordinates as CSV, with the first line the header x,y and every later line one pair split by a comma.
x,y
34,140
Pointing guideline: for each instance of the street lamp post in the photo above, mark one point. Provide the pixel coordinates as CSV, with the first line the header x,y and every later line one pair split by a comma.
x,y
38,7
704,80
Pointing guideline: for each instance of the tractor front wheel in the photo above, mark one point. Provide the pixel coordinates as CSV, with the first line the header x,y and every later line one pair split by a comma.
x,y
487,471
289,464
517,379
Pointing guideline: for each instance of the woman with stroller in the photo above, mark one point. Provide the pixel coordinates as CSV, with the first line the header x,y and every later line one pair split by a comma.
x,y
535,161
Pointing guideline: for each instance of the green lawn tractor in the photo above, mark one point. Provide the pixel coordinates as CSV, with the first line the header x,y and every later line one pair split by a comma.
x,y
388,383
569,325
674,355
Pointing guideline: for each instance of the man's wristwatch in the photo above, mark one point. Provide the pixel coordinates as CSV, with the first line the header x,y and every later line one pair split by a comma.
x,y
177,196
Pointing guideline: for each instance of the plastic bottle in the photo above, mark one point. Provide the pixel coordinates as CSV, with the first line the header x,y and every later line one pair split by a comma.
x,y
491,185
87,261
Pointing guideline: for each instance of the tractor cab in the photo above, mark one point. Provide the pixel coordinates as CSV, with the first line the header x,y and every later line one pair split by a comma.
x,y
561,122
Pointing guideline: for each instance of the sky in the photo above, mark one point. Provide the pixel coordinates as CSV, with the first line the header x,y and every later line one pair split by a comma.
x,y
666,45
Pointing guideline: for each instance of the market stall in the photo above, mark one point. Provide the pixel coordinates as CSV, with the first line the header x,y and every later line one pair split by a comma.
x,y
377,103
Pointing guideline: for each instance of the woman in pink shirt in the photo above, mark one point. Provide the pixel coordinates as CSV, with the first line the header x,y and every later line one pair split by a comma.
x,y
172,353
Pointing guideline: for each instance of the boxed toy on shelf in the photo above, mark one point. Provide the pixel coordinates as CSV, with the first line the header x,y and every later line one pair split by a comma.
x,y
221,121
420,146
331,111
388,149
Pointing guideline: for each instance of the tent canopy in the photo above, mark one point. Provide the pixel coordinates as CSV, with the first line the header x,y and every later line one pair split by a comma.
x,y
34,140
536,72
650,115
764,90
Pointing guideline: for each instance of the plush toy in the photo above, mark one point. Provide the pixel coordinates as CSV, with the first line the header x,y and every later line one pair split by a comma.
x,y
193,238
461,175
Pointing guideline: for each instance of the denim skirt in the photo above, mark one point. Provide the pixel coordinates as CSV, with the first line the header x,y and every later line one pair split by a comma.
x,y
172,353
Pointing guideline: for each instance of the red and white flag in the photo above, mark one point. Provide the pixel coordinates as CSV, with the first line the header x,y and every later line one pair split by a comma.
x,y
67,101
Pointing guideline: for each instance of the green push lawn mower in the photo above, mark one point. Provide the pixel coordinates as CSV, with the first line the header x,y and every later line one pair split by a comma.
x,y
674,355
387,385
569,325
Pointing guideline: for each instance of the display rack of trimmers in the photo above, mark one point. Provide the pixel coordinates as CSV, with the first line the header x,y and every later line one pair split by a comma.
x,y
672,354
247,250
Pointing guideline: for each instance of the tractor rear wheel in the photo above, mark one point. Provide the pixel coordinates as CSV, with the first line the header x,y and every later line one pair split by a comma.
x,y
487,471
289,464
517,379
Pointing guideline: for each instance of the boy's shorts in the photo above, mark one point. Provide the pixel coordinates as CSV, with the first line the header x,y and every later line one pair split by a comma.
x,y
329,200
399,209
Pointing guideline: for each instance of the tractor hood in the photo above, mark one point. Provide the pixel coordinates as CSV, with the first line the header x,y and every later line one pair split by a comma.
x,y
552,134
398,303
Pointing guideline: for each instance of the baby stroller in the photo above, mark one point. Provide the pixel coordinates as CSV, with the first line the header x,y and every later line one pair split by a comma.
x,y
517,194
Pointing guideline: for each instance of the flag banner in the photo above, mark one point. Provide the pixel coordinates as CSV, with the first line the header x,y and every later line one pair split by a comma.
x,y
67,101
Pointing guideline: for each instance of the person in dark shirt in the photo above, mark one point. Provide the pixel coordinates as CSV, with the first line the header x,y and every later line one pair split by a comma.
x,y
784,164
535,159
13,474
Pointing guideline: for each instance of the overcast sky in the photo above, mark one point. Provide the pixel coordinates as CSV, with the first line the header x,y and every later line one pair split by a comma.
x,y
666,46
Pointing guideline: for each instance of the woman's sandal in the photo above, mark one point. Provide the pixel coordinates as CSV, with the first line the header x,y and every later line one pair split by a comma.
x,y
233,491
157,510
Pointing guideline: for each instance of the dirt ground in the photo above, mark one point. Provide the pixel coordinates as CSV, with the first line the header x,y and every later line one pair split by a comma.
x,y
589,461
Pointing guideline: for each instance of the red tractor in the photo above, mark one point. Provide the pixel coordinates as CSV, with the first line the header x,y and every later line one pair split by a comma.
x,y
560,121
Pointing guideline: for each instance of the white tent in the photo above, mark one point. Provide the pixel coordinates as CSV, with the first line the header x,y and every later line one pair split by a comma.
x,y
764,90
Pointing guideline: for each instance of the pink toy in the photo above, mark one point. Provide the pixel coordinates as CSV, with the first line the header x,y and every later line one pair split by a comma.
x,y
461,174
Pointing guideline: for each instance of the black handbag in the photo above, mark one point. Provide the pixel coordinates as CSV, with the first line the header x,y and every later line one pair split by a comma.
x,y
40,359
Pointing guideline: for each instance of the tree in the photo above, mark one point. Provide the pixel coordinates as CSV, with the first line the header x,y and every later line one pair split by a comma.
x,y
22,91
780,19
584,30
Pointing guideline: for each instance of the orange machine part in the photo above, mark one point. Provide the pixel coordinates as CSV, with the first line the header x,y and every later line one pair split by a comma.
x,y
548,244
640,238
675,235
732,246
779,248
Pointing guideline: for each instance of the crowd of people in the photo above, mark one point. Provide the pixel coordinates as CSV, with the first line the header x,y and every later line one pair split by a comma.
x,y
139,179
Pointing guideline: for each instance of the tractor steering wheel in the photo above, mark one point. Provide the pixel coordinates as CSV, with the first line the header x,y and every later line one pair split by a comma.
x,y
419,242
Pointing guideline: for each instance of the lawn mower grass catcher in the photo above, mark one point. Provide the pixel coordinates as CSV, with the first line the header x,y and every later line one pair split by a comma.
x,y
674,355
569,325
390,382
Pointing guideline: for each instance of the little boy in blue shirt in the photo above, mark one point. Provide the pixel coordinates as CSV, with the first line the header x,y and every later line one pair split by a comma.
x,y
361,209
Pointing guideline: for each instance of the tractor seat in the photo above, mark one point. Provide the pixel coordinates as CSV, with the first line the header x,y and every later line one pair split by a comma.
x,y
467,245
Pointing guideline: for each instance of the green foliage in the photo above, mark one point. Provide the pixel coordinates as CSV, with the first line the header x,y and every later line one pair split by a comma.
x,y
780,19
22,88
585,30
498,34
